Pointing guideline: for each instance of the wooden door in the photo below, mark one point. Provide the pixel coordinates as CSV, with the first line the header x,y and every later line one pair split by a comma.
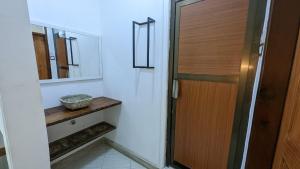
x,y
61,57
212,42
288,149
42,55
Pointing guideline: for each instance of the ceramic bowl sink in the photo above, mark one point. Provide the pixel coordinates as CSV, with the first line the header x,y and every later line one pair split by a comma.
x,y
78,101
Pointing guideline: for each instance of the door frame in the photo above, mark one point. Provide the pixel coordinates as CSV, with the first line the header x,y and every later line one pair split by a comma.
x,y
274,82
45,37
58,67
256,17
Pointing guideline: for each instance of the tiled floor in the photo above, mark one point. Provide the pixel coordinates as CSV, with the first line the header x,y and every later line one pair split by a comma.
x,y
97,156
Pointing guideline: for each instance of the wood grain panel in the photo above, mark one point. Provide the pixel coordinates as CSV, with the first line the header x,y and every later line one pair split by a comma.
x,y
288,149
283,165
204,120
212,36
60,114
42,55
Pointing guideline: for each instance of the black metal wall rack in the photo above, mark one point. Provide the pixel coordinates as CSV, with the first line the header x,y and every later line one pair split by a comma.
x,y
134,23
71,50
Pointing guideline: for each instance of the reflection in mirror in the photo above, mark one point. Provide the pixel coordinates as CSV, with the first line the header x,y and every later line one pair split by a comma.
x,y
3,160
62,54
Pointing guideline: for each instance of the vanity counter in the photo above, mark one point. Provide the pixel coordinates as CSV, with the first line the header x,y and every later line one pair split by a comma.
x,y
60,114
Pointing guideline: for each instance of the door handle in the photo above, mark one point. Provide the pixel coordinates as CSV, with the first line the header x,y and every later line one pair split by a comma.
x,y
175,89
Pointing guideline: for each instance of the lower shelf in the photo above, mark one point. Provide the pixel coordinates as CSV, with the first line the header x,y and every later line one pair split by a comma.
x,y
67,144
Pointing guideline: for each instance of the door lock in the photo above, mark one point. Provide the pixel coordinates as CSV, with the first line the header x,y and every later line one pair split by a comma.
x,y
175,89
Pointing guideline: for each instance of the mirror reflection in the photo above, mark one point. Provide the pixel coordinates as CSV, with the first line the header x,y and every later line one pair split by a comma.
x,y
62,54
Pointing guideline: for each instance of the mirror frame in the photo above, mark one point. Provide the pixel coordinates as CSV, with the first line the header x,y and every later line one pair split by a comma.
x,y
100,77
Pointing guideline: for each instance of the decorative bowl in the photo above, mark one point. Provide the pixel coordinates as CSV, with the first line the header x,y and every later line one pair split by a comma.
x,y
77,101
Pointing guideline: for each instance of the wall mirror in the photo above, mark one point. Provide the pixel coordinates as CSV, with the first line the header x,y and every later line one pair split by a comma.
x,y
63,55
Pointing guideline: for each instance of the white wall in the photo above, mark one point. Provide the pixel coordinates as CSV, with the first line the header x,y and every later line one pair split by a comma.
x,y
78,15
53,91
22,118
73,14
141,121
